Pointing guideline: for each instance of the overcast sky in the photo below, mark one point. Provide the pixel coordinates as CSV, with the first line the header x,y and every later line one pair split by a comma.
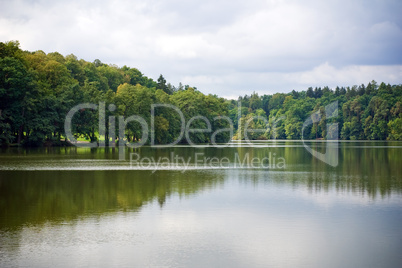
x,y
229,48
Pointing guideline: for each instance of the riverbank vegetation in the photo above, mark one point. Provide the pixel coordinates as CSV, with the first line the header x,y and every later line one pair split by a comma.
x,y
365,112
37,90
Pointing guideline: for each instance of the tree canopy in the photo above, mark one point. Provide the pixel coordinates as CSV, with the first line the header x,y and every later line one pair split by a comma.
x,y
37,90
364,113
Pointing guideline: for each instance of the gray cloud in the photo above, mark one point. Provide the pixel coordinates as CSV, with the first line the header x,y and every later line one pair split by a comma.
x,y
225,47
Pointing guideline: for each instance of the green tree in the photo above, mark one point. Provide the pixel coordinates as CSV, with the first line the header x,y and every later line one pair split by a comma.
x,y
15,86
162,85
395,129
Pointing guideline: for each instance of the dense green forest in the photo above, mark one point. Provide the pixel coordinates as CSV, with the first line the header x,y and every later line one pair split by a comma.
x,y
37,90
371,112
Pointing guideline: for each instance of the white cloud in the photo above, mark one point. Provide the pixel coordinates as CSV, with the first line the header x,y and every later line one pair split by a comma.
x,y
349,75
228,47
272,82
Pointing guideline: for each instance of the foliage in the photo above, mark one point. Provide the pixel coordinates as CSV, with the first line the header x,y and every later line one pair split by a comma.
x,y
37,90
364,113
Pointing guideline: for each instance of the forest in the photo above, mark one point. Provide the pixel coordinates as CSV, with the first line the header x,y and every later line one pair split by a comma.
x,y
37,90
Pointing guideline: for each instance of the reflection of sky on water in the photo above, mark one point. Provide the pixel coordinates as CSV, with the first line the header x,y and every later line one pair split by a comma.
x,y
71,207
236,224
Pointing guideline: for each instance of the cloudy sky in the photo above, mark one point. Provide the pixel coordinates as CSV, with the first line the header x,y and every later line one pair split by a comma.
x,y
228,48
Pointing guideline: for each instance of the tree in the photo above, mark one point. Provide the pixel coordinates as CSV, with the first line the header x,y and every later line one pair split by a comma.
x,y
98,63
38,89
162,85
361,90
15,83
255,102
378,111
75,68
113,75
276,101
293,128
318,93
10,49
295,94
134,100
395,129
310,92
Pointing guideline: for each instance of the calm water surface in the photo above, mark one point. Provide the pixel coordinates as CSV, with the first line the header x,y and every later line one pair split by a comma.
x,y
79,207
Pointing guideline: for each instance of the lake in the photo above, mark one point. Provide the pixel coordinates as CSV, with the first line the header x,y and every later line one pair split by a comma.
x,y
264,204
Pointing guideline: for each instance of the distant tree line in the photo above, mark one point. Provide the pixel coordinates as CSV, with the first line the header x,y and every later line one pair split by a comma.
x,y
365,112
37,90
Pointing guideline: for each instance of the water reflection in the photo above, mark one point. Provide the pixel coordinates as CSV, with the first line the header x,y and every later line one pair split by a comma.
x,y
35,197
307,213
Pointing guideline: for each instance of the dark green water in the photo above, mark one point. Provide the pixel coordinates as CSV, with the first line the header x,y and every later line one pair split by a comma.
x,y
77,207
